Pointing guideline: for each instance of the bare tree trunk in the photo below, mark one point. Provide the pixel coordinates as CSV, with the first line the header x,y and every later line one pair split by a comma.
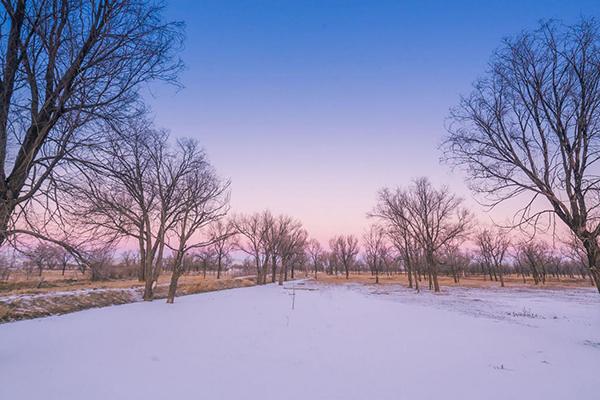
x,y
6,211
454,274
148,271
436,284
148,292
141,267
592,250
429,277
499,268
433,273
219,266
281,267
258,274
416,273
409,273
173,286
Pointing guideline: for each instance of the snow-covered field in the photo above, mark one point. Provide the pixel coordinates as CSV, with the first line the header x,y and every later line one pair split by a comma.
x,y
339,342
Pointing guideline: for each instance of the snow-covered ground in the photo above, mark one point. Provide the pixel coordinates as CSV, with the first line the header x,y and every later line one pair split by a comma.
x,y
339,342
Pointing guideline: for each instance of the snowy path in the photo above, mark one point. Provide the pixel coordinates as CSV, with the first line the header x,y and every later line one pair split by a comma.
x,y
351,342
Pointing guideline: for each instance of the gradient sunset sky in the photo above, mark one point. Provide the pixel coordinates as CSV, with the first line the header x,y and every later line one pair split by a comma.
x,y
310,107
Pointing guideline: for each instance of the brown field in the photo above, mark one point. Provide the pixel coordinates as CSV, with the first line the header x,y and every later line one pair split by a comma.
x,y
470,281
54,281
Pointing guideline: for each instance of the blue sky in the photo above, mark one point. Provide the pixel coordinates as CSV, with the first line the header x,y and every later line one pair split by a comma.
x,y
310,107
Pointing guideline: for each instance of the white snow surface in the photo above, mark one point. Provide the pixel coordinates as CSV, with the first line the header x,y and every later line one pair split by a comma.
x,y
339,342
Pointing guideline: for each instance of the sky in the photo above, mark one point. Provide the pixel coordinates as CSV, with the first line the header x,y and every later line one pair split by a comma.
x,y
310,107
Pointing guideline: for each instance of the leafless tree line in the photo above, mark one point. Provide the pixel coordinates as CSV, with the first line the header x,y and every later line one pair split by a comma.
x,y
421,221
142,187
276,244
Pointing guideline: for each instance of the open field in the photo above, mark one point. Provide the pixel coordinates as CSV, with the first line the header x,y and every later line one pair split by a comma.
x,y
338,342
24,297
472,281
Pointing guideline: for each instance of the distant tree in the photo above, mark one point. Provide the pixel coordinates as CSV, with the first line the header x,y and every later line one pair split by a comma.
x,y
254,230
206,257
344,249
40,257
391,212
455,260
532,255
493,245
98,262
222,236
291,241
315,253
431,217
7,264
375,249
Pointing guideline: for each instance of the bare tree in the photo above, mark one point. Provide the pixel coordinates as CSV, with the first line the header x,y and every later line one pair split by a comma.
x,y
573,249
119,193
375,249
7,264
432,217
344,249
222,235
315,253
199,199
454,260
291,241
255,230
139,186
532,254
98,260
205,256
493,246
64,65
41,257
391,211
530,128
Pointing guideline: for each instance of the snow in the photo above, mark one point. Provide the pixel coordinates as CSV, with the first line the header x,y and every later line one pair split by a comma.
x,y
136,294
339,342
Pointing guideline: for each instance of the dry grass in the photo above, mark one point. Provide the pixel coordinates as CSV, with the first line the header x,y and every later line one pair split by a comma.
x,y
50,281
471,281
53,281
19,301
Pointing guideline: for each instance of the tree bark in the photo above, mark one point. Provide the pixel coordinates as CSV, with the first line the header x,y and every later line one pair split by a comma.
x,y
281,268
173,286
593,250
